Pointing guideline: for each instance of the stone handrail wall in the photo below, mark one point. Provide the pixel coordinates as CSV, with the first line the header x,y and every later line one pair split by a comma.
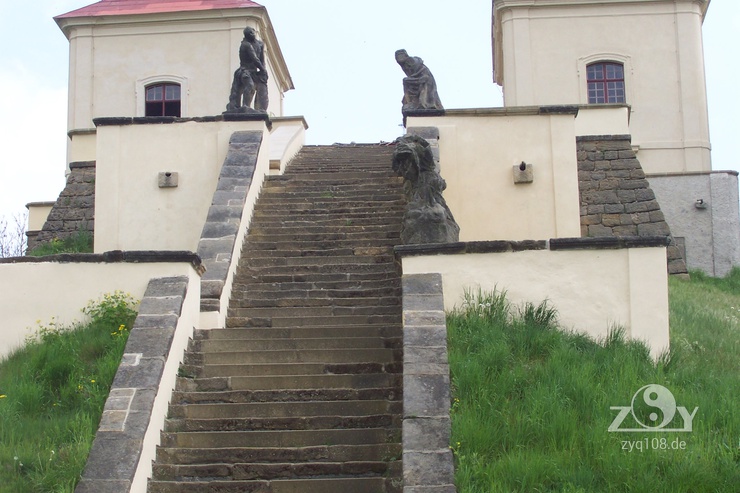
x,y
225,216
427,458
134,413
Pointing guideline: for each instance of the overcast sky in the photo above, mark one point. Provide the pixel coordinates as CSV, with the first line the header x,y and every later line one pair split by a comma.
x,y
340,55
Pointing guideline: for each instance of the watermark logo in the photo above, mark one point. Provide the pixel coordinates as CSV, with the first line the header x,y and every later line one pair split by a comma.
x,y
653,408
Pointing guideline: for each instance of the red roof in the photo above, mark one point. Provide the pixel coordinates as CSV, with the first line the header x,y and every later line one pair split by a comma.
x,y
128,7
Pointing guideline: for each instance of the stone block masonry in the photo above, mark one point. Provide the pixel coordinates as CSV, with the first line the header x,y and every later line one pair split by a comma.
x,y
225,214
74,210
115,453
427,458
616,198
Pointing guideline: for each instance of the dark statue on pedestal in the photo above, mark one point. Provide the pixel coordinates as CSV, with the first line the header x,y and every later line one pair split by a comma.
x,y
250,79
419,87
427,218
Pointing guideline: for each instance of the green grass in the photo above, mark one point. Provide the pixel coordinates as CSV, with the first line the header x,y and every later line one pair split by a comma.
x,y
80,242
531,403
52,393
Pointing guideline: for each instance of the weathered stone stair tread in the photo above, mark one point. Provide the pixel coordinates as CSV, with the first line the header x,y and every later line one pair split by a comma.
x,y
292,356
313,321
322,332
339,485
236,455
305,382
302,392
287,369
284,344
302,423
276,470
285,409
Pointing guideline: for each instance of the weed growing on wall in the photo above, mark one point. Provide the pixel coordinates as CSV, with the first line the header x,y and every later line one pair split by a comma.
x,y
52,393
80,242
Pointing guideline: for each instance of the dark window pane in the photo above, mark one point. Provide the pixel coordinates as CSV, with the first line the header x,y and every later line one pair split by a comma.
x,y
172,108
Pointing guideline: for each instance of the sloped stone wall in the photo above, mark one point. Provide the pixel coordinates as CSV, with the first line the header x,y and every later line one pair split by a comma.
x,y
74,210
616,198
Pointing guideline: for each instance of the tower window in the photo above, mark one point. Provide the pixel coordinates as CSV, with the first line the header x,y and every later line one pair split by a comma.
x,y
163,100
605,83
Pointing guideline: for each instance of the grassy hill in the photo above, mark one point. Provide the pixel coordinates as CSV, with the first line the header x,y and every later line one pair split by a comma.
x,y
531,403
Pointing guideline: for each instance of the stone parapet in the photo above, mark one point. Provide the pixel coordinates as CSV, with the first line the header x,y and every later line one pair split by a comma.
x,y
74,210
616,198
427,458
119,442
219,235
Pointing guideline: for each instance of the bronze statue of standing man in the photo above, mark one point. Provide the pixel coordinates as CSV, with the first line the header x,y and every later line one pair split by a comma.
x,y
250,79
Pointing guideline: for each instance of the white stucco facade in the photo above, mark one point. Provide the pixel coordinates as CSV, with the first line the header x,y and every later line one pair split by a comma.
x,y
114,58
542,48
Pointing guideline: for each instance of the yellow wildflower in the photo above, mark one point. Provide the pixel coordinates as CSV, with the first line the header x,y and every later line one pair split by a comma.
x,y
3,396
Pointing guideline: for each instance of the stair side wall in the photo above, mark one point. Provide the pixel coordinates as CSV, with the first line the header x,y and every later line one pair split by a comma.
x,y
616,198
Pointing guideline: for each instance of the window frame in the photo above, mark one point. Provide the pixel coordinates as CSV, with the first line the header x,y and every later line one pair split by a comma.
x,y
163,103
144,83
626,61
609,87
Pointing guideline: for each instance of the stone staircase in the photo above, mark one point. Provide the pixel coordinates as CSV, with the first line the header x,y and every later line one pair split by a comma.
x,y
302,392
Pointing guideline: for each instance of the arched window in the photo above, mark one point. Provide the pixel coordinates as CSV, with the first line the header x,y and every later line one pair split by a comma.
x,y
162,100
605,83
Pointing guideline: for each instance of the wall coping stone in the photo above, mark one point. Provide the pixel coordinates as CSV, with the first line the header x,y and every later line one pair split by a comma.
x,y
499,111
81,131
298,118
593,138
40,204
580,243
608,242
693,173
148,120
81,164
468,247
115,256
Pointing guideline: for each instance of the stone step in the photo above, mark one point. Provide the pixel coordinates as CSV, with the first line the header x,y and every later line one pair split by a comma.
x,y
288,369
337,220
257,292
272,245
231,345
343,288
296,409
278,438
283,395
358,176
327,229
283,301
345,206
238,319
236,455
320,270
249,471
281,261
387,214
372,380
344,355
321,332
290,190
321,485
310,423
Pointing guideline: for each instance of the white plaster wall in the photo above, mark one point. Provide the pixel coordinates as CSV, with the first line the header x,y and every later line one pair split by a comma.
x,y
287,137
602,120
547,45
477,153
81,147
33,293
592,290
712,234
131,211
37,214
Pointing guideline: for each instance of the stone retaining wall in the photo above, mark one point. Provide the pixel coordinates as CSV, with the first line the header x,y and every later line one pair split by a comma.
x,y
74,210
616,198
